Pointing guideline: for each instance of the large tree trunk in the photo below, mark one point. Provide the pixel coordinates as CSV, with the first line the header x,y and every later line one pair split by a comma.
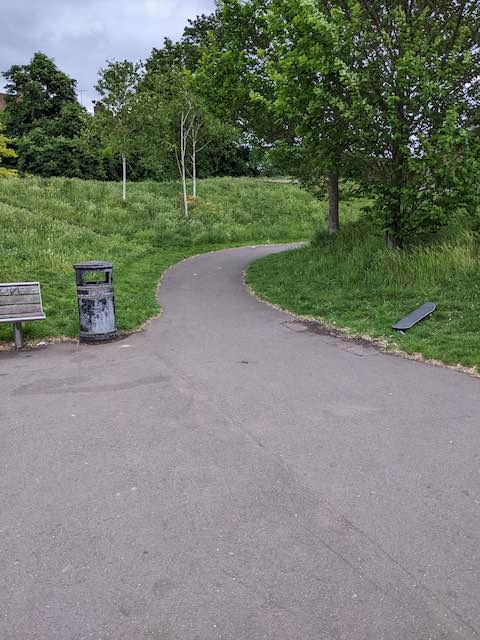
x,y
391,240
400,179
333,204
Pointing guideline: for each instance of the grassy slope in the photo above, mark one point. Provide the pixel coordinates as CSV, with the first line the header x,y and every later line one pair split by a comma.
x,y
354,282
48,225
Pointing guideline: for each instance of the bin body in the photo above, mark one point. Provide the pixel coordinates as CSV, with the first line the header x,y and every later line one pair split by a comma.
x,y
96,301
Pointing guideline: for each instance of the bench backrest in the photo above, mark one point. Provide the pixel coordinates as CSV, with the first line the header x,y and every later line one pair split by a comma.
x,y
20,301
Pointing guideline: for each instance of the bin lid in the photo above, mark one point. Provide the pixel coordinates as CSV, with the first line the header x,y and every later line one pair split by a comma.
x,y
93,265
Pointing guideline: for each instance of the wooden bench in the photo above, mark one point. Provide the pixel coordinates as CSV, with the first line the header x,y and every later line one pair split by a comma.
x,y
20,302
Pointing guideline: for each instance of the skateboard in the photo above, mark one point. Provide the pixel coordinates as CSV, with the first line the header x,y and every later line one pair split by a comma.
x,y
419,314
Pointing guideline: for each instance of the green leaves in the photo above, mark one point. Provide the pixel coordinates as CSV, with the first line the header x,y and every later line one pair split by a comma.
x,y
117,86
37,92
385,92
6,152
48,122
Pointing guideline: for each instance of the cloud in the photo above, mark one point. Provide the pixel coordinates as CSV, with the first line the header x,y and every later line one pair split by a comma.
x,y
82,34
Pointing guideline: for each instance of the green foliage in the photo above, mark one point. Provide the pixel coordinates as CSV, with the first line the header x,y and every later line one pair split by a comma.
x,y
36,94
233,76
143,106
388,91
117,86
49,224
43,112
49,156
6,152
162,99
233,67
70,122
187,52
423,113
352,281
173,83
312,51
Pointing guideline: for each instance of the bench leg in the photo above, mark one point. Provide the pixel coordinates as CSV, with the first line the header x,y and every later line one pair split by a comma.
x,y
18,335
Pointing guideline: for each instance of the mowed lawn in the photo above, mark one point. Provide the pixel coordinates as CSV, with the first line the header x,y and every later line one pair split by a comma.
x,y
352,281
48,225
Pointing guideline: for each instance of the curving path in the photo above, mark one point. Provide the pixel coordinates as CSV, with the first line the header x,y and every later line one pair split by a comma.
x,y
228,474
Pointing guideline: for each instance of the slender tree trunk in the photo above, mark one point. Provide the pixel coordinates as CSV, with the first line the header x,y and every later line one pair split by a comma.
x,y
185,196
194,166
124,178
333,204
183,151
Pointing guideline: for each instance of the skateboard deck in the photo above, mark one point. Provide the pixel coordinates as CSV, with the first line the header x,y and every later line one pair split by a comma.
x,y
414,317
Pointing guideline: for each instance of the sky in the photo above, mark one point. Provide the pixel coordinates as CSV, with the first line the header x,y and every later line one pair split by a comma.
x,y
82,34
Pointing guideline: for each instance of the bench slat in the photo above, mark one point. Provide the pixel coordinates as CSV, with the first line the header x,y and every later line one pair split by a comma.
x,y
20,309
11,300
13,289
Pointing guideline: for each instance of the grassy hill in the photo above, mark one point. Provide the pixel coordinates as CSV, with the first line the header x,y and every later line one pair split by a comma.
x,y
353,281
48,225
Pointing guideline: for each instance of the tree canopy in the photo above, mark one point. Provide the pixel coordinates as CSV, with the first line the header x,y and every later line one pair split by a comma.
x,y
37,93
6,152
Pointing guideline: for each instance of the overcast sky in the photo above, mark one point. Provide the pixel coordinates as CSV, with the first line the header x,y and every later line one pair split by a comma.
x,y
82,34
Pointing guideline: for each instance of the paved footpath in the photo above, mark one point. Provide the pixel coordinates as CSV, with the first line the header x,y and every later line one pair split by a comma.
x,y
229,474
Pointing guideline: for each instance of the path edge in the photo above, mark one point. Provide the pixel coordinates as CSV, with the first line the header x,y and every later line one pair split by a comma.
x,y
349,335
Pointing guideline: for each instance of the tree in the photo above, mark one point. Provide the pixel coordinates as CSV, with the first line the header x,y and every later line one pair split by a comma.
x,y
177,132
420,85
6,152
232,70
187,52
36,94
70,121
43,113
398,81
175,114
48,156
197,129
313,52
187,119
245,70
117,86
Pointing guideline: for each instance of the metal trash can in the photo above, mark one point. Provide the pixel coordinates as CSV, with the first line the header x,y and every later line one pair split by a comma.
x,y
96,301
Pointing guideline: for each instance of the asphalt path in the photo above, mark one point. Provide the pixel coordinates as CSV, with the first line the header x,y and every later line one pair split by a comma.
x,y
231,474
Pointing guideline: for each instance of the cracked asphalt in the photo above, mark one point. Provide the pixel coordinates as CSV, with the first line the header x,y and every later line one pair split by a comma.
x,y
230,474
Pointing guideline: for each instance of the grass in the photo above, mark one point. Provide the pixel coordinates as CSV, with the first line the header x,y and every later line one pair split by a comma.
x,y
48,225
353,281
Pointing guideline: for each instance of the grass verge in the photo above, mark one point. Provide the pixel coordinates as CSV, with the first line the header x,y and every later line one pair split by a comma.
x,y
352,281
48,225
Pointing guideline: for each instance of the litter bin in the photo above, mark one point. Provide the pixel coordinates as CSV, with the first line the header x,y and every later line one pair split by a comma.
x,y
96,301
